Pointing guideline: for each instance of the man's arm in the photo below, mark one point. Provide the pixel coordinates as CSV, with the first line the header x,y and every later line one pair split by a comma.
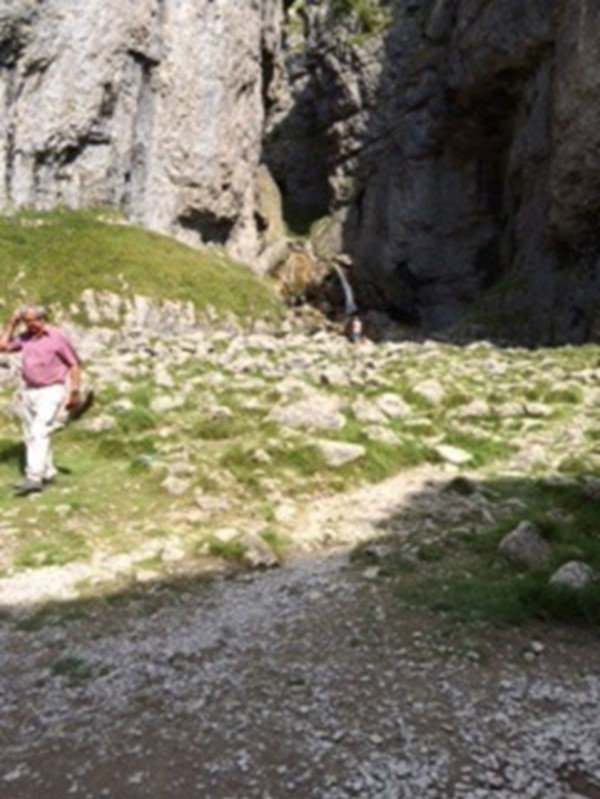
x,y
74,386
7,334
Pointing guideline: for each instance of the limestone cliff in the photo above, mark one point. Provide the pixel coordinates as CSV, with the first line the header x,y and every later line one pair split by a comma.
x,y
153,106
453,145
458,147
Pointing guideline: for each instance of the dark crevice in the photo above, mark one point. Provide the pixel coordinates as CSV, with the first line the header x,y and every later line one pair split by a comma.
x,y
489,263
297,149
10,50
145,61
10,161
268,73
480,131
66,156
483,122
36,66
109,100
136,172
211,228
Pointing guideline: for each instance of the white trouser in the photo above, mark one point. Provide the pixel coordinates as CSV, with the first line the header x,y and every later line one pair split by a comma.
x,y
39,409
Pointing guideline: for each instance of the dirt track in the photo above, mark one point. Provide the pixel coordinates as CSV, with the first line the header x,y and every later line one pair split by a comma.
x,y
308,681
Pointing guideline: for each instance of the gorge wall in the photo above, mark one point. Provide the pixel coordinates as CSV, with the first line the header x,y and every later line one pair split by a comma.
x,y
456,145
450,147
152,106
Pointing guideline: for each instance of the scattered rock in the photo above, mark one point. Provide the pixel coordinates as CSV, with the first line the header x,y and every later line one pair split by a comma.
x,y
98,424
175,486
575,575
164,403
210,504
453,455
258,554
538,410
368,412
339,453
525,546
226,534
393,406
317,412
430,390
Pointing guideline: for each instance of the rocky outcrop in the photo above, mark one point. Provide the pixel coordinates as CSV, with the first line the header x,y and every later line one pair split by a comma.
x,y
459,147
153,106
449,146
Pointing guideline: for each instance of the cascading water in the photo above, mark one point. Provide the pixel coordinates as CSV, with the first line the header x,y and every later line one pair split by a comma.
x,y
350,306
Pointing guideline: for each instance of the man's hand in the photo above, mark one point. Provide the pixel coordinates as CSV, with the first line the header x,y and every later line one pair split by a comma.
x,y
73,400
7,334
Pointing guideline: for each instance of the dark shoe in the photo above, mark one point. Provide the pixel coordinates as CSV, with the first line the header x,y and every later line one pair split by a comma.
x,y
27,486
82,406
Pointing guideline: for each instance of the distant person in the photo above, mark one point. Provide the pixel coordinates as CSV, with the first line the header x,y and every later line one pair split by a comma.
x,y
51,383
353,329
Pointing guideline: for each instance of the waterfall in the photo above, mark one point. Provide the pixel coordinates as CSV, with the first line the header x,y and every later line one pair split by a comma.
x,y
350,306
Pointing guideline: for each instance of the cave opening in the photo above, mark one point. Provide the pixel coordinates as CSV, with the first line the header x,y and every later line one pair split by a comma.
x,y
480,133
210,228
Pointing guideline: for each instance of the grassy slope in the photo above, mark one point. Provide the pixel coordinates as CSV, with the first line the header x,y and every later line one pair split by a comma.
x,y
113,501
110,503
52,258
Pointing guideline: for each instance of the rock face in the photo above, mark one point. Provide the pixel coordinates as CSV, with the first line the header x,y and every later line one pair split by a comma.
x,y
451,147
153,106
459,146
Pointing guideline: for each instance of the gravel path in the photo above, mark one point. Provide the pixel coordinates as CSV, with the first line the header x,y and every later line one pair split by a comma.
x,y
303,682
309,681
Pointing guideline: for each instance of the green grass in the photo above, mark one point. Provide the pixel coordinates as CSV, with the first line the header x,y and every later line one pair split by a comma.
x,y
111,498
99,502
483,449
219,428
299,467
82,250
462,575
276,541
368,16
513,599
52,547
227,550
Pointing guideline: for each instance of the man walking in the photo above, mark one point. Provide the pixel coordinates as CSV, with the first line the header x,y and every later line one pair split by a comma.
x,y
51,375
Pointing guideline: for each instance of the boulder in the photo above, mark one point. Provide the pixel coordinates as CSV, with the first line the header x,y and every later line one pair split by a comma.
x,y
575,575
525,546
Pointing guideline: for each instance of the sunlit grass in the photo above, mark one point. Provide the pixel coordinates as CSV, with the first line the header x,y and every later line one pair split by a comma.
x,y
85,249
